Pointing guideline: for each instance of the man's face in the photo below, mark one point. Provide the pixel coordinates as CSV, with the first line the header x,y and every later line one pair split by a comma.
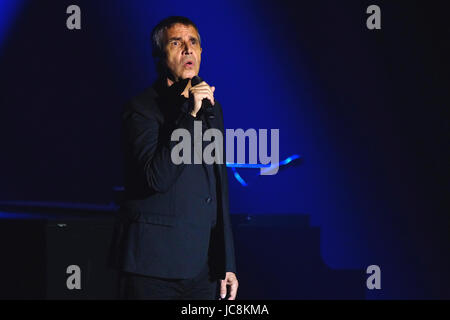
x,y
183,51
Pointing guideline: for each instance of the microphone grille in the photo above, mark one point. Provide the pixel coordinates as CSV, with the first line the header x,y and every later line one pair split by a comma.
x,y
196,80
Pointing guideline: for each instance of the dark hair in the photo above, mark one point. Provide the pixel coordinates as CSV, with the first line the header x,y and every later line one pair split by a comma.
x,y
157,38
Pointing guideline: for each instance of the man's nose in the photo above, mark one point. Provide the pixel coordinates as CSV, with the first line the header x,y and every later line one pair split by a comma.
x,y
187,48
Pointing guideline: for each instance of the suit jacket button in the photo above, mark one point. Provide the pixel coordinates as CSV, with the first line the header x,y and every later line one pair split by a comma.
x,y
208,200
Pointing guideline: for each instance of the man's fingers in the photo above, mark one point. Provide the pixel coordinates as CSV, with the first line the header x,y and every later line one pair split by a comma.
x,y
233,291
201,90
223,289
200,85
201,94
203,85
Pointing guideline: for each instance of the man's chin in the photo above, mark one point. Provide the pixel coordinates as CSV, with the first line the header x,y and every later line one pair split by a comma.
x,y
189,75
185,76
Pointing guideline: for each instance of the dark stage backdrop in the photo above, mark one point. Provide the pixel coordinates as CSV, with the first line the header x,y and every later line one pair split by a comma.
x,y
367,109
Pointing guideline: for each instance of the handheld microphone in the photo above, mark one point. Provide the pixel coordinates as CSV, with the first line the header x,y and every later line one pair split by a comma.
x,y
207,107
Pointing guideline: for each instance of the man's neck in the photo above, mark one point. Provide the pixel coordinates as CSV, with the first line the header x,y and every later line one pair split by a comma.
x,y
185,92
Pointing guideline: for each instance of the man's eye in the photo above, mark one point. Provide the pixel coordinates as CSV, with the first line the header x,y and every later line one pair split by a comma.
x,y
175,43
194,41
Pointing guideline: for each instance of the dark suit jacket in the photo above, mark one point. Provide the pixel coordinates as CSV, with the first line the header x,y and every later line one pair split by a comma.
x,y
166,214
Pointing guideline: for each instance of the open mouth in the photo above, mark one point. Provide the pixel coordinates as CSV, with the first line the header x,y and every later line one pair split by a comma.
x,y
189,64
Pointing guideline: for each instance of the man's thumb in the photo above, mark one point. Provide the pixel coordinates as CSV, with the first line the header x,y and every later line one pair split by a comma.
x,y
223,289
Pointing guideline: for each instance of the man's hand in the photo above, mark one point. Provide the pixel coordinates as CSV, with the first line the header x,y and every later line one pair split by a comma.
x,y
232,282
200,92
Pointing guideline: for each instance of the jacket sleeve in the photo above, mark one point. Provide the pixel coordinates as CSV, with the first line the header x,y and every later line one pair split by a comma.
x,y
152,153
230,260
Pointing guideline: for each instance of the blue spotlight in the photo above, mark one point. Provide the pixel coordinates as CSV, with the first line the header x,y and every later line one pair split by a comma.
x,y
8,11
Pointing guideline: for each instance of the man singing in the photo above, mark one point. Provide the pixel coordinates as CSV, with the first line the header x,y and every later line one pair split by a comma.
x,y
177,241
